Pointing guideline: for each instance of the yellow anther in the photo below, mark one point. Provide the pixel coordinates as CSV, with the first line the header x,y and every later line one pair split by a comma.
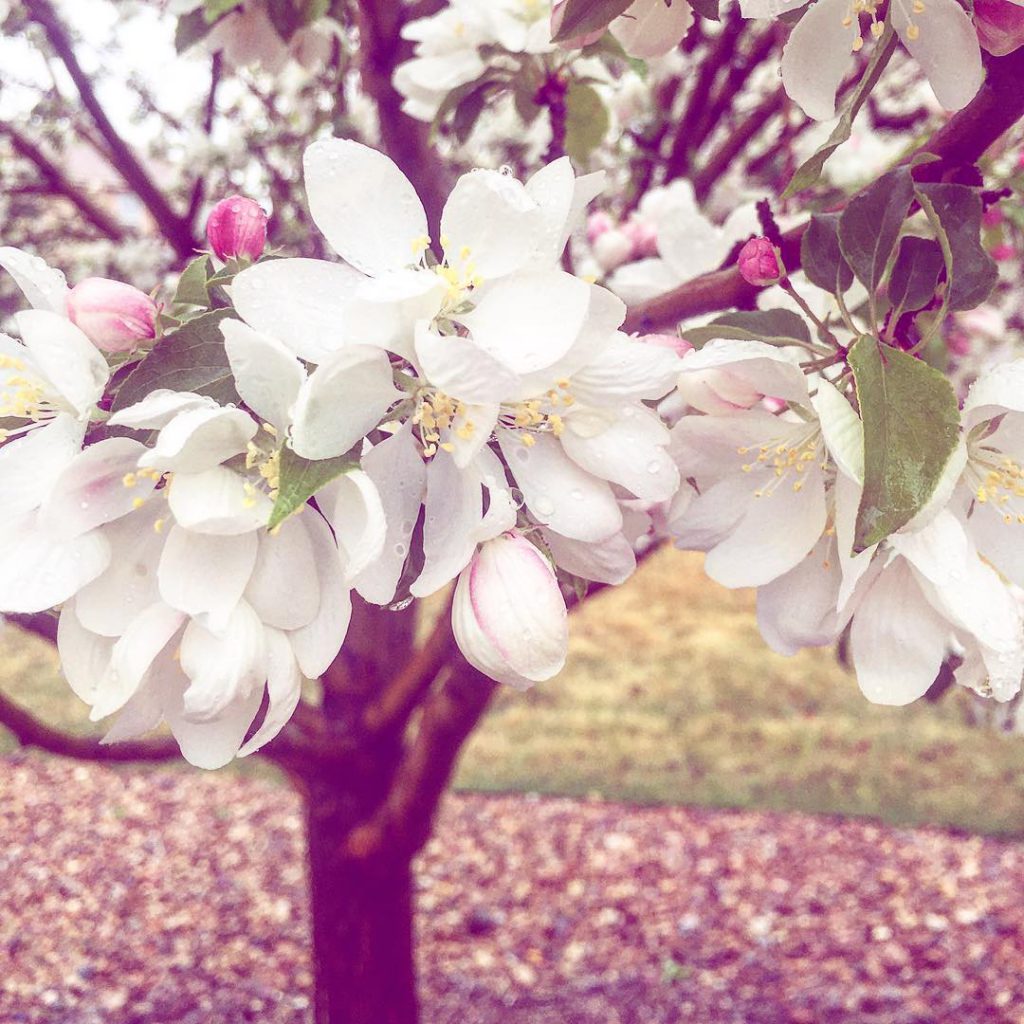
x,y
913,32
138,502
529,440
447,446
158,526
129,480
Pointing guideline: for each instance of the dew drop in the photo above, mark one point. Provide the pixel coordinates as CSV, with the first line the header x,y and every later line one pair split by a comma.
x,y
544,506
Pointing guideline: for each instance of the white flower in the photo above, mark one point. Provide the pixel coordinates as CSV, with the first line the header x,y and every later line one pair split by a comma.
x,y
938,33
761,478
688,243
990,493
509,616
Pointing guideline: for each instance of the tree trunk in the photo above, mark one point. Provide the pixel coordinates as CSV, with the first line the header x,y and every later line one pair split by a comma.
x,y
362,918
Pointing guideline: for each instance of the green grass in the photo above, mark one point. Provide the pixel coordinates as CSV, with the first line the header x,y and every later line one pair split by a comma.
x,y
670,696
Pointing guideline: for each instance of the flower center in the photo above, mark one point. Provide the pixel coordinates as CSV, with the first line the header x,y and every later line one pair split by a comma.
x,y
783,460
538,415
999,482
22,395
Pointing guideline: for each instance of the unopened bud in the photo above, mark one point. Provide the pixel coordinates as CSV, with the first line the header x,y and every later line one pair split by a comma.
x,y
1000,26
760,263
114,316
597,224
237,227
680,346
612,249
644,237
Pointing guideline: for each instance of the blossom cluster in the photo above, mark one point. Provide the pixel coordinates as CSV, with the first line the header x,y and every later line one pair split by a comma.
x,y
477,418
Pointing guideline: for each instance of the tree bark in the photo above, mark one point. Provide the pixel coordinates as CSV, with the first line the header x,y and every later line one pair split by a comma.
x,y
362,916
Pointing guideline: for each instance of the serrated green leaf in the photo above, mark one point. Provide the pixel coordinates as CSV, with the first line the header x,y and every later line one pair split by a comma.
x,y
870,226
915,274
821,257
191,28
955,211
190,359
809,172
301,478
584,16
215,9
192,285
772,326
911,428
586,121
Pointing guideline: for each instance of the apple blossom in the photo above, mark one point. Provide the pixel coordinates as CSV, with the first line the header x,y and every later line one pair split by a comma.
x,y
509,616
114,316
237,227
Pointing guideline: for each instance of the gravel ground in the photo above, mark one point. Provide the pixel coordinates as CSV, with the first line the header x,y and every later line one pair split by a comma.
x,y
180,897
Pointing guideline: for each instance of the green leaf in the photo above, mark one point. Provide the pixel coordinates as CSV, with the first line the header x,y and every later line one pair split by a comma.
x,y
301,478
821,257
810,171
911,428
955,212
772,326
586,122
584,16
190,29
190,359
870,226
915,274
192,290
215,9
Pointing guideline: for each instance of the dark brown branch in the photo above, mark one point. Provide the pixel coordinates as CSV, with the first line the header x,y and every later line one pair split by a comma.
x,y
31,732
57,184
406,140
174,228
962,140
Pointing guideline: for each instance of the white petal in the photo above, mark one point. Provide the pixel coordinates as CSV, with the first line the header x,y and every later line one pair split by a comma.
x,y
490,225
531,320
508,616
39,570
30,465
470,430
558,492
317,644
460,368
345,398
205,576
946,47
841,428
305,304
84,656
998,390
396,468
364,205
108,604
216,502
142,713
651,29
283,588
625,371
553,189
453,511
223,668
268,377
353,507
200,440
284,688
817,57
610,561
158,408
762,369
68,359
386,309
91,491
133,654
897,641
44,286
629,451
798,609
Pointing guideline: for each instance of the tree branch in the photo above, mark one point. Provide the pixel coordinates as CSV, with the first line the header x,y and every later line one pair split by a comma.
x,y
58,184
962,140
174,228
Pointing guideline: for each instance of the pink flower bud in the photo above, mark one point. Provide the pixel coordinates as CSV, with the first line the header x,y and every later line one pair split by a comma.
x,y
577,42
597,224
1003,252
760,263
993,216
114,316
644,237
1000,26
678,345
612,249
237,226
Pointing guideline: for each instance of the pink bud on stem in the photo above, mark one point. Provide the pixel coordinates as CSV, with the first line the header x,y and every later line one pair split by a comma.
x,y
237,228
114,316
760,263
